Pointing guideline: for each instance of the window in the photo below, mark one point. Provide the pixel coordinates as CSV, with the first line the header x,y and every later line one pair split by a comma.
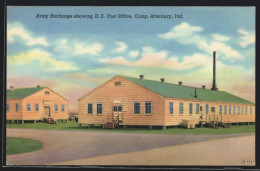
x,y
62,107
36,107
229,110
117,83
136,108
148,107
171,107
225,109
242,110
251,110
28,107
119,108
207,109
46,92
190,108
56,108
99,108
246,110
220,109
238,110
90,109
234,110
115,108
197,108
181,108
16,107
7,107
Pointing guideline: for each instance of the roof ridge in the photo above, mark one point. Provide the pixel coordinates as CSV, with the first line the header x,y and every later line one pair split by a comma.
x,y
26,88
170,83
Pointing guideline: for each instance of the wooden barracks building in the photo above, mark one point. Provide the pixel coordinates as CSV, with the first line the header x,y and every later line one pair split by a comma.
x,y
137,101
35,103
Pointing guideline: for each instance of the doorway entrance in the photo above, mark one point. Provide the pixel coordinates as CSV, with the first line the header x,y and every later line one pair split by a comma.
x,y
117,112
46,112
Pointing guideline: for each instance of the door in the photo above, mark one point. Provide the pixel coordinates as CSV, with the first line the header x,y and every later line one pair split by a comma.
x,y
46,112
117,111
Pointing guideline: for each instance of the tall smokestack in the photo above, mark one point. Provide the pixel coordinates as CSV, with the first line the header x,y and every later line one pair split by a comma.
x,y
214,86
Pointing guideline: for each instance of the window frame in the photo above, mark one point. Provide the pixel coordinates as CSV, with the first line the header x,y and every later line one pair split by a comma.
x,y
246,110
206,109
181,108
115,108
99,108
117,83
251,110
220,109
190,108
7,107
145,108
118,108
62,107
56,107
229,109
234,110
242,110
139,111
238,110
171,108
36,108
91,109
17,107
28,107
197,108
225,109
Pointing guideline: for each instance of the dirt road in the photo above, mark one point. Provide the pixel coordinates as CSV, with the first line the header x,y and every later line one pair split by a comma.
x,y
60,146
235,151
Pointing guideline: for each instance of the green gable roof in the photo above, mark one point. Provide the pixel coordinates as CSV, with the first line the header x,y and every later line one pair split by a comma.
x,y
20,93
184,92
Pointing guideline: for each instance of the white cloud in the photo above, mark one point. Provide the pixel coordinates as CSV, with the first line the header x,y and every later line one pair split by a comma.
x,y
74,47
247,38
42,58
225,51
16,30
187,34
182,30
220,37
160,59
93,49
134,53
121,47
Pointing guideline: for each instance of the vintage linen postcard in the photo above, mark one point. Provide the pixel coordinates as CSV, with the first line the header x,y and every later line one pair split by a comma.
x,y
135,86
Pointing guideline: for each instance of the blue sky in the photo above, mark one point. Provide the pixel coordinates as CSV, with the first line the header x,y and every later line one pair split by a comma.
x,y
80,54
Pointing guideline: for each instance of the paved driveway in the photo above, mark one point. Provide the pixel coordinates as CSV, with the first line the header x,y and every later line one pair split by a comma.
x,y
61,146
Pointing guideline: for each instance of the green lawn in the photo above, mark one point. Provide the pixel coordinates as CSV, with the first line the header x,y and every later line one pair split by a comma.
x,y
19,145
73,126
